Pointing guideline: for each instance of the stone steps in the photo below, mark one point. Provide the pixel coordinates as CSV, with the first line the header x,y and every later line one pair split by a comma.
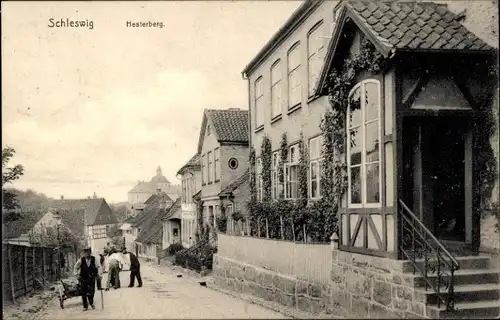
x,y
476,290
467,262
463,277
489,309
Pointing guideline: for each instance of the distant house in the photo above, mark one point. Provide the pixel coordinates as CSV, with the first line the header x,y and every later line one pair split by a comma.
x,y
145,189
223,148
134,227
235,196
172,229
93,217
150,238
191,183
18,231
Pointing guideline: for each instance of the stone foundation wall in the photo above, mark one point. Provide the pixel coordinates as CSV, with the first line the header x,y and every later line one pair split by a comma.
x,y
271,286
490,236
373,287
363,286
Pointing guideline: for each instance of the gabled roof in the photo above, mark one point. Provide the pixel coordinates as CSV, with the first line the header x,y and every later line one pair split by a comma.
x,y
14,229
235,184
153,228
174,212
395,26
95,211
193,163
229,125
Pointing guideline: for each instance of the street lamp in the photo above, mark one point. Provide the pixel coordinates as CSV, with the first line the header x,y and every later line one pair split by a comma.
x,y
57,218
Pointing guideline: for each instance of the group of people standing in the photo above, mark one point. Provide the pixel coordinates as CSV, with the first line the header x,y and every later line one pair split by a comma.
x,y
89,271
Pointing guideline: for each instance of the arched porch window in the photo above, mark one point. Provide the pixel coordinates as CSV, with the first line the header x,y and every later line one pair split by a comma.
x,y
363,145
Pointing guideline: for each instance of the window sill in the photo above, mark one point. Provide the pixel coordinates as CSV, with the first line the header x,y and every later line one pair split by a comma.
x,y
294,108
313,98
260,128
276,119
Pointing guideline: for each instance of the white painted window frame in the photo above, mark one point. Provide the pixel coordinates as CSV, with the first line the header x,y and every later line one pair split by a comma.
x,y
318,162
363,203
316,31
295,71
276,89
259,102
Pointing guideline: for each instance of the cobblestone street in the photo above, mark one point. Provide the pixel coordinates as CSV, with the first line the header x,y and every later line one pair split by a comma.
x,y
162,296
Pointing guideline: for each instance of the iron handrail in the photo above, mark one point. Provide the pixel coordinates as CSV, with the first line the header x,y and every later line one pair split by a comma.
x,y
456,265
421,241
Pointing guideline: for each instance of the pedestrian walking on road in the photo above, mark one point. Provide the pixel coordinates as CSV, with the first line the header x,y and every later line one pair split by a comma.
x,y
135,269
115,266
88,269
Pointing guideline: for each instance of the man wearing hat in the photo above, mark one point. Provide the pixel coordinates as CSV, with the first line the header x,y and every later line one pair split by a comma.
x,y
88,269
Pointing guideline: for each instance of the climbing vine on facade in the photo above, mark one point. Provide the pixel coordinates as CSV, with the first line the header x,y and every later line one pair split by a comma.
x,y
266,158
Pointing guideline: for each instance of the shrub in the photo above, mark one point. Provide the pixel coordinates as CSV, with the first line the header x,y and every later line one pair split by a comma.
x,y
222,224
174,248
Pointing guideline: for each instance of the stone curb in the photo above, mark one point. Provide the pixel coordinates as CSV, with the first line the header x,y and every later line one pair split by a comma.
x,y
292,313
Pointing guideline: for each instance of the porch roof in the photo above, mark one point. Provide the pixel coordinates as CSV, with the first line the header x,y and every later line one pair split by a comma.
x,y
404,26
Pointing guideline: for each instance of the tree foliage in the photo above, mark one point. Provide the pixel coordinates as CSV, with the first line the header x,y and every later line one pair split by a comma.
x,y
49,236
10,174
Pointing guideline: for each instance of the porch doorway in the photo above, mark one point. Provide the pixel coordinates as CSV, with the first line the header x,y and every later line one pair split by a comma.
x,y
438,175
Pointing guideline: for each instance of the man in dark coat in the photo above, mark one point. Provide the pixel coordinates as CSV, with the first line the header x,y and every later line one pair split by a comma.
x,y
88,269
135,269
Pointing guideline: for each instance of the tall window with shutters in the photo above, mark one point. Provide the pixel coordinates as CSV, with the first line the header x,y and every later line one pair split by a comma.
x,y
291,173
314,167
363,147
259,102
294,78
315,55
276,89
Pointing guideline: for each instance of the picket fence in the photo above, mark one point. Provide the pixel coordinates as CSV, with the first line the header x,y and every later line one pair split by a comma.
x,y
28,269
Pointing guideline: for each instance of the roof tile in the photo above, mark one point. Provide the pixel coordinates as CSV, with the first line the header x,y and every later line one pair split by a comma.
x,y
415,25
231,125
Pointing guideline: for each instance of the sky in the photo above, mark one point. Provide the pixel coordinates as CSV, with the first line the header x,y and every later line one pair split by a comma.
x,y
96,110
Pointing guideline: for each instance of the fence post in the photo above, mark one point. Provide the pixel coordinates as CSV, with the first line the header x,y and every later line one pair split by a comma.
x,y
304,229
281,228
34,269
267,229
11,272
25,267
43,265
293,231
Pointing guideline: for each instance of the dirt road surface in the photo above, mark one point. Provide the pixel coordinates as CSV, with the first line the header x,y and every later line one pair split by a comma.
x,y
163,296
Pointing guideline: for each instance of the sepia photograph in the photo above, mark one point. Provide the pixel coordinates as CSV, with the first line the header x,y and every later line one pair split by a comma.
x,y
238,159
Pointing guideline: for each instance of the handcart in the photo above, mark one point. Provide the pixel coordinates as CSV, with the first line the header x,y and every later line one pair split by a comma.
x,y
70,288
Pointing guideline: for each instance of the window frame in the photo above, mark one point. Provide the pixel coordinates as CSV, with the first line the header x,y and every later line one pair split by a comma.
x,y
364,163
287,166
295,48
259,102
217,164
318,27
316,160
203,169
209,164
276,85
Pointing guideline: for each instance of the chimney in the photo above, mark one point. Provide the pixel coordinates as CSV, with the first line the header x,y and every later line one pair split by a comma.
x,y
158,191
62,197
95,196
